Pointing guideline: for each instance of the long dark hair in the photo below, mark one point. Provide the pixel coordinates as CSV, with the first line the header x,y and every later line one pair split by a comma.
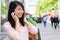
x,y
12,7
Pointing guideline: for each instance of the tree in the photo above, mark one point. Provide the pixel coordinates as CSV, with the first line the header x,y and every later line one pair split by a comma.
x,y
45,5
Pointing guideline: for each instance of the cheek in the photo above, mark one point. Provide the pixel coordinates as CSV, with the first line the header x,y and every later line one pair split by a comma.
x,y
22,11
16,12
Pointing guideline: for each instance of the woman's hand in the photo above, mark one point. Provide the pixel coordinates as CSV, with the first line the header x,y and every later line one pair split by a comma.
x,y
31,28
15,18
26,22
17,23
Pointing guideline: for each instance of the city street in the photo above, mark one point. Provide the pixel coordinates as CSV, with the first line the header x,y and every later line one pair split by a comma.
x,y
33,11
48,32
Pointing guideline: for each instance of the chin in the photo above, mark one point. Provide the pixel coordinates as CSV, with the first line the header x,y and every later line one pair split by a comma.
x,y
19,16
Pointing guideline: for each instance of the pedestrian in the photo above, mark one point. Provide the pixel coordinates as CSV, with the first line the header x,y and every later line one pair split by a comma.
x,y
44,20
52,17
55,21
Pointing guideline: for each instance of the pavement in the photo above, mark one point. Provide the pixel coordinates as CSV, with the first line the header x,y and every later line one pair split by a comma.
x,y
48,32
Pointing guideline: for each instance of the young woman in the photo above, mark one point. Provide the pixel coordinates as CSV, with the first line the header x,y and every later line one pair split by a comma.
x,y
16,26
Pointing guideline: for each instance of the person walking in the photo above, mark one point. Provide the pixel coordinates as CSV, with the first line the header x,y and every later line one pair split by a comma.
x,y
55,21
44,20
52,17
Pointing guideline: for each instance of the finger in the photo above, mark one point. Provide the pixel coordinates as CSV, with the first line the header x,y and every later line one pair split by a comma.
x,y
15,14
25,20
12,14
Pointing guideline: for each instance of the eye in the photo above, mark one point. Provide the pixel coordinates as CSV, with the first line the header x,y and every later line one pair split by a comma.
x,y
20,9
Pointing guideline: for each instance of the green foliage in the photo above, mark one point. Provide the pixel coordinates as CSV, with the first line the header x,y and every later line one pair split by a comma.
x,y
45,5
3,10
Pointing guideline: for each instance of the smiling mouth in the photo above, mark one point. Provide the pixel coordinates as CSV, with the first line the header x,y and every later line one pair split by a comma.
x,y
19,15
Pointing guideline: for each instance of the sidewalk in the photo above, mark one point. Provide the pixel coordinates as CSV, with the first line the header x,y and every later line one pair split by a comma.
x,y
3,36
48,32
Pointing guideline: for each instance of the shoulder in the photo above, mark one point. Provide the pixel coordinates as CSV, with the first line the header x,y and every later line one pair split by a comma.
x,y
6,24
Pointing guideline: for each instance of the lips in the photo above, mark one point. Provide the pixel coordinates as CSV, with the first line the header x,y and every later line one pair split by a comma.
x,y
19,15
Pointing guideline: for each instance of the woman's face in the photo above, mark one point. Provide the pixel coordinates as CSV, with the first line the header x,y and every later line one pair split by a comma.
x,y
18,11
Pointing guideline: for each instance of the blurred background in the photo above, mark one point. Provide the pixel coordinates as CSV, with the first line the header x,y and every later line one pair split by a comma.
x,y
34,12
